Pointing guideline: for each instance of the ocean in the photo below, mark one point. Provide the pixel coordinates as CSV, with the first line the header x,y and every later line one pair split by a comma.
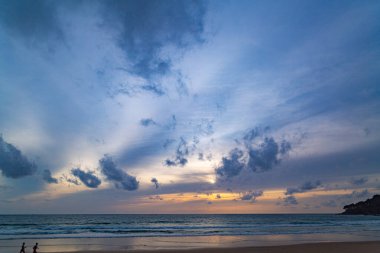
x,y
19,227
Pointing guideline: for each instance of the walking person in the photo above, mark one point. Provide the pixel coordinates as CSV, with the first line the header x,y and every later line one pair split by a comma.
x,y
35,248
23,248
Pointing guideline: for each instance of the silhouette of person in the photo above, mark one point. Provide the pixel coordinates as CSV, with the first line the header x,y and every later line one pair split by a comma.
x,y
23,248
35,248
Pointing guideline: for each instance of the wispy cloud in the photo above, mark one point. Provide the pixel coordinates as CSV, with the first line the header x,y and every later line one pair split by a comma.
x,y
290,200
145,37
307,186
359,181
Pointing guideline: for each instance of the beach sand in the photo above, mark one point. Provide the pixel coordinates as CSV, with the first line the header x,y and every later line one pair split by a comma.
x,y
321,243
330,247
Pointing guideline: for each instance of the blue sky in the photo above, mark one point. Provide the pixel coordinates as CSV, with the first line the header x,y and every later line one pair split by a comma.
x,y
188,106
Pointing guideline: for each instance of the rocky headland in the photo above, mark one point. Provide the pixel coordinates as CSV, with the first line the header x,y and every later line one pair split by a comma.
x,y
368,207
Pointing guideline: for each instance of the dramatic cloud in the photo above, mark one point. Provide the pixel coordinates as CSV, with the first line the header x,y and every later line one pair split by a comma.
x,y
87,178
146,27
307,186
359,181
113,174
147,122
152,34
262,154
46,176
166,83
266,155
251,195
232,165
13,163
155,182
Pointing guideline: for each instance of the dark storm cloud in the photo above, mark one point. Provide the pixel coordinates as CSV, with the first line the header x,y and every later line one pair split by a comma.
x,y
260,154
231,165
359,181
87,178
182,152
13,164
170,163
31,20
266,155
155,182
147,122
307,186
46,176
146,27
121,179
251,195
290,200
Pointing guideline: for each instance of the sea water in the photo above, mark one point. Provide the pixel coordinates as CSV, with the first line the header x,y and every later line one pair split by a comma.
x,y
110,225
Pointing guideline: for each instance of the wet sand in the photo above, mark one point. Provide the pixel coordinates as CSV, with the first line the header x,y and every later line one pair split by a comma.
x,y
360,243
330,247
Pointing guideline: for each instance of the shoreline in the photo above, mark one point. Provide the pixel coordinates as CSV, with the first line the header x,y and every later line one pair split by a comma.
x,y
266,244
325,247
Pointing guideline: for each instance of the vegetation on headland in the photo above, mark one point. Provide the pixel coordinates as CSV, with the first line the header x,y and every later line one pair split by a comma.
x,y
368,207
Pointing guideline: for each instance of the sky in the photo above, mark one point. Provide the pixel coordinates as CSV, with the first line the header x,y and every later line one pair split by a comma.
x,y
188,106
